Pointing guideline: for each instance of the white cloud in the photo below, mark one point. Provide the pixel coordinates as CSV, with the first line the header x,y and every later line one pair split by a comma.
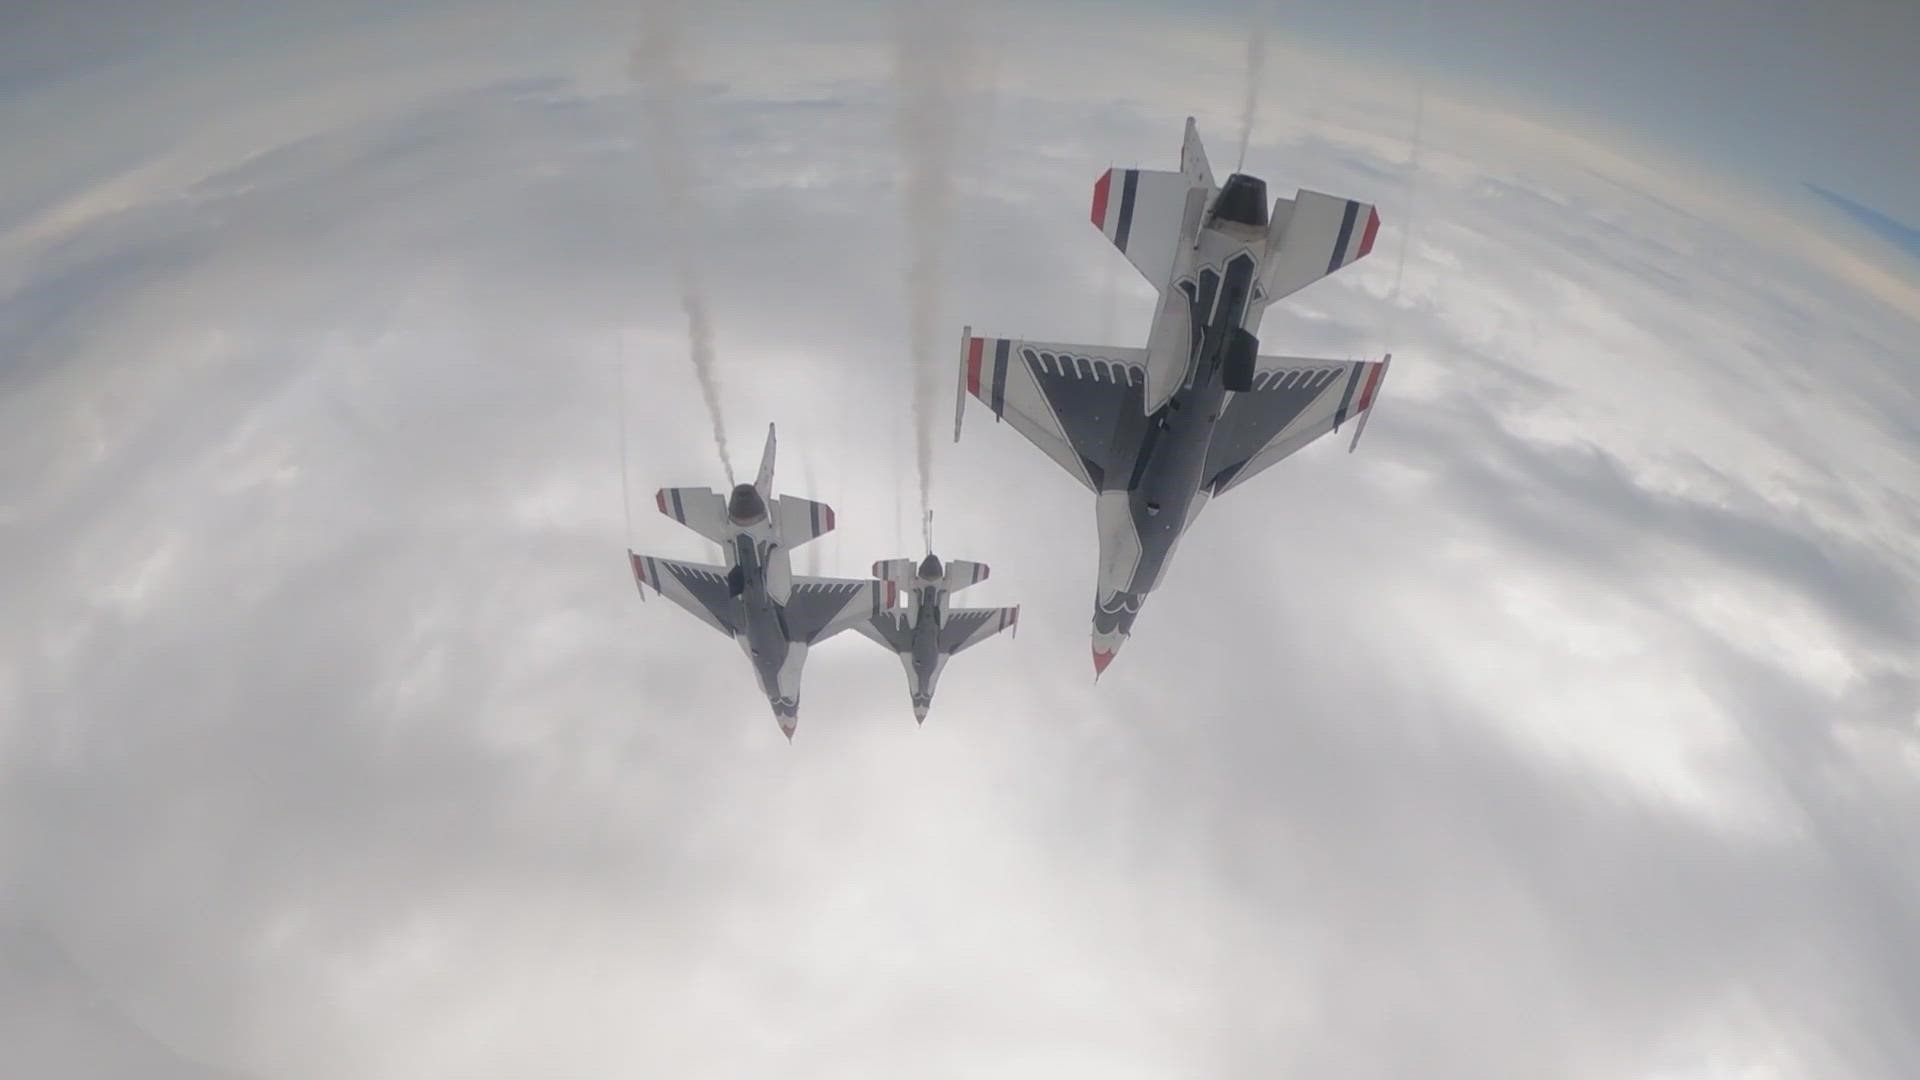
x,y
1563,730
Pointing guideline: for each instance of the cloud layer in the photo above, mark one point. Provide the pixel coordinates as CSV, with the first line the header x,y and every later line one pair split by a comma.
x,y
1565,729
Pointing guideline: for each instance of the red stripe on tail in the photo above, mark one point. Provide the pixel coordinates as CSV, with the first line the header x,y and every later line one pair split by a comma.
x,y
974,349
1100,188
660,499
1366,240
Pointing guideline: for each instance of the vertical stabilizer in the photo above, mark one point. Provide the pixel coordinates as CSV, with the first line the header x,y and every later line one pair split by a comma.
x,y
764,481
1193,157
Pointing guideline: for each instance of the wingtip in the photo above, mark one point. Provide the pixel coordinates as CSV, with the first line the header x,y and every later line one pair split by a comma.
x,y
638,566
960,391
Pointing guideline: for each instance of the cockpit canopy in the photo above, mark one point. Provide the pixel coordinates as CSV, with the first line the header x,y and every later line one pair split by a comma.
x,y
930,569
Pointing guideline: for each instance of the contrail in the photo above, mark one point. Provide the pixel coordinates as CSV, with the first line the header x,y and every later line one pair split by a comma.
x,y
1256,66
930,65
1413,154
657,65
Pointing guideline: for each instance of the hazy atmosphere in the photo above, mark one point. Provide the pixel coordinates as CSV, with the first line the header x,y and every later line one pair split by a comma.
x,y
1568,728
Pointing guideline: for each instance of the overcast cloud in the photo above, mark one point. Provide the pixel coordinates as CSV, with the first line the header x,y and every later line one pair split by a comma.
x,y
1566,729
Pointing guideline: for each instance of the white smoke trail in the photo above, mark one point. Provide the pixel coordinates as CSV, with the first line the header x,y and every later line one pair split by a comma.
x,y
1262,13
1413,155
657,64
626,489
930,68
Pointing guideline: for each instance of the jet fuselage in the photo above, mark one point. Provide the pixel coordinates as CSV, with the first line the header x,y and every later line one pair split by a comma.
x,y
1168,485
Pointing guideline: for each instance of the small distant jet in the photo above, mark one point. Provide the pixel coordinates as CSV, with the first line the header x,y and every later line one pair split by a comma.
x,y
1155,433
755,599
926,631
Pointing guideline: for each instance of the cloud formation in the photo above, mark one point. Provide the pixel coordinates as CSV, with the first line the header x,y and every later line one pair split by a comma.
x,y
1568,728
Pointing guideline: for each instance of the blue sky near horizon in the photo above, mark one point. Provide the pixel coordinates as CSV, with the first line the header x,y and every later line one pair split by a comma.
x,y
1786,93
1900,234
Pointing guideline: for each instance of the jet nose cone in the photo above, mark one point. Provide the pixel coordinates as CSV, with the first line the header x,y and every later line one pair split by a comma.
x,y
1101,658
919,714
788,714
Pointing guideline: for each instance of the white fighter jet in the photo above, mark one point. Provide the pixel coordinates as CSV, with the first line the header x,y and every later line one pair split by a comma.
x,y
755,598
926,631
1155,433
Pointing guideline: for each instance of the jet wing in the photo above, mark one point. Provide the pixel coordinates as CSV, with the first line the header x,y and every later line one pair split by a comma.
x,y
819,608
699,588
1295,400
967,627
1080,404
889,630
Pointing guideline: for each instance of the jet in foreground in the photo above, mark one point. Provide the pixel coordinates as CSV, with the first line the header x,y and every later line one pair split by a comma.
x,y
755,598
1155,433
926,631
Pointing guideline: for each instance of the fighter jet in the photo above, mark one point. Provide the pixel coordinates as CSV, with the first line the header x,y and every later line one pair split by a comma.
x,y
1156,433
926,631
755,598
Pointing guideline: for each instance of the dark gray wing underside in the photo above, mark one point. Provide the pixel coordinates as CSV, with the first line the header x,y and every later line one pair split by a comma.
x,y
961,625
1099,409
813,607
1252,421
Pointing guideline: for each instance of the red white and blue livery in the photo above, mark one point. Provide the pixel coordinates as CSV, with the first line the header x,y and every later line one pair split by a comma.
x,y
1155,433
755,598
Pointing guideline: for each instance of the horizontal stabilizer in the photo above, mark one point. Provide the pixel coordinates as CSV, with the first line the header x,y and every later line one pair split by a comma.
x,y
699,509
962,574
800,520
899,572
1142,211
1313,235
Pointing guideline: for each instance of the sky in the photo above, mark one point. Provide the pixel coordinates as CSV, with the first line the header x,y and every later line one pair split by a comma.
x,y
1569,727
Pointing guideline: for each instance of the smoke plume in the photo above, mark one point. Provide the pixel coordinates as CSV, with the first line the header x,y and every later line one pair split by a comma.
x,y
657,65
1256,67
930,68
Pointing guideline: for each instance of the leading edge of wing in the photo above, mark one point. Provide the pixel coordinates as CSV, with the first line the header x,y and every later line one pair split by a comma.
x,y
1068,400
697,587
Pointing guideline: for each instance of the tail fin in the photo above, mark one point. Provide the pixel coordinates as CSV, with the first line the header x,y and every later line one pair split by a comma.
x,y
764,481
1193,156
